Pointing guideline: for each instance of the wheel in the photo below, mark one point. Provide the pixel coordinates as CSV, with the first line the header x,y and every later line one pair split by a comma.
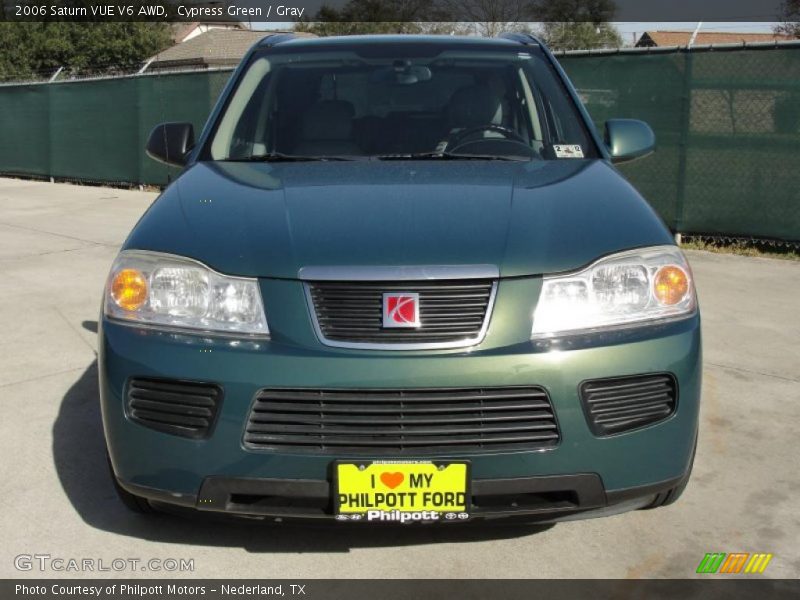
x,y
671,495
134,503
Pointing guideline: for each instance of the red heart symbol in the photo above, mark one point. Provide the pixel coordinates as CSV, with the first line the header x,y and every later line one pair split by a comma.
x,y
392,480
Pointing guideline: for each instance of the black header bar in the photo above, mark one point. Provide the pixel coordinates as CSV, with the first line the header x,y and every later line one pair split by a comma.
x,y
254,11
708,588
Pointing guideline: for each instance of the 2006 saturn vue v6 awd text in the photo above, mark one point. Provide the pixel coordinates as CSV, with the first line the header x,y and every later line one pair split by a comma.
x,y
400,279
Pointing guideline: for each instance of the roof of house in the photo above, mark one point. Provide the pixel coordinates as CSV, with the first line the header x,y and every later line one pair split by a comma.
x,y
183,29
216,47
706,38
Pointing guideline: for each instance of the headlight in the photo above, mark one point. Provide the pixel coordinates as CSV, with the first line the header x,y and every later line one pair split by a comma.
x,y
621,290
175,292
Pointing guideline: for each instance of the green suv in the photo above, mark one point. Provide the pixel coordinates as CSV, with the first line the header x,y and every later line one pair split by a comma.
x,y
400,280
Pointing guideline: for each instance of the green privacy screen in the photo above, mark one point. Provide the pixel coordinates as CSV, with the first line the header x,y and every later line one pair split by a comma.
x,y
96,130
727,123
728,129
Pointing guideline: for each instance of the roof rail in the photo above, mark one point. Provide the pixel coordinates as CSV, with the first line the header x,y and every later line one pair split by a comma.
x,y
275,39
521,38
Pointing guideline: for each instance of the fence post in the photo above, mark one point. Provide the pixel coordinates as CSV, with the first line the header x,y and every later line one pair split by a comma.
x,y
139,141
683,144
56,74
50,91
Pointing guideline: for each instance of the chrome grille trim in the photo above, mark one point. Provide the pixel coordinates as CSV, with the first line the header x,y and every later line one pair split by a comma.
x,y
466,342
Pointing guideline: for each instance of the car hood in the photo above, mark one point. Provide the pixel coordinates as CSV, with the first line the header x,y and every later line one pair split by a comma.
x,y
270,220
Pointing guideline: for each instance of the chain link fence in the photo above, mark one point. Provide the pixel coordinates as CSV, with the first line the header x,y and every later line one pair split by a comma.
x,y
727,120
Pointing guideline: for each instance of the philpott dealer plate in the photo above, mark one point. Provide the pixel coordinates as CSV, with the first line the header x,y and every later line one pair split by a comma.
x,y
401,491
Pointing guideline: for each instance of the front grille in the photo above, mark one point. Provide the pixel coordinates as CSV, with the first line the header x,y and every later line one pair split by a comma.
x,y
177,407
401,422
452,312
626,403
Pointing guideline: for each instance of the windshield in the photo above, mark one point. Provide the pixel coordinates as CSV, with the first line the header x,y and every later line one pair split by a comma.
x,y
338,105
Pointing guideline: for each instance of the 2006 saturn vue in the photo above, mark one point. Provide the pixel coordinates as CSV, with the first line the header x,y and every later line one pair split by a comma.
x,y
400,279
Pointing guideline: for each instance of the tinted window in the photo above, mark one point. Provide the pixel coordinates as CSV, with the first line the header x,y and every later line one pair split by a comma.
x,y
339,104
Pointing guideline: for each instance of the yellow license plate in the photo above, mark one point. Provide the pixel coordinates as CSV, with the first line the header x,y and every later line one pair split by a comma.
x,y
401,491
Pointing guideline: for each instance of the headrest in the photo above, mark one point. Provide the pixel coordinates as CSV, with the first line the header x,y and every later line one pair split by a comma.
x,y
473,106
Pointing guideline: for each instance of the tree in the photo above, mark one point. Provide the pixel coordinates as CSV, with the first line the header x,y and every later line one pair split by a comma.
x,y
566,23
371,16
577,24
35,50
580,36
573,11
489,17
790,19
13,64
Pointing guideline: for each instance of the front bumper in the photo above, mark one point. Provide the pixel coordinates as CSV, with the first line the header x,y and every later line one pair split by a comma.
x,y
529,499
582,473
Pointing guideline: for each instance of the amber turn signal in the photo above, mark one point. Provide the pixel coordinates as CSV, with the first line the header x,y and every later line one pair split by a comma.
x,y
671,285
129,289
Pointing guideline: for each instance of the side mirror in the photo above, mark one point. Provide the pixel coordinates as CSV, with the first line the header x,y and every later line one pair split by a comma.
x,y
170,143
628,139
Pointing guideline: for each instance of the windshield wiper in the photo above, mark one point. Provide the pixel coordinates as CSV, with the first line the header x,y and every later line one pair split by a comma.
x,y
447,156
281,157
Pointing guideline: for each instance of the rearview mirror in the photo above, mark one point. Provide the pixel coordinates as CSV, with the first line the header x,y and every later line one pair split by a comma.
x,y
628,139
401,73
170,143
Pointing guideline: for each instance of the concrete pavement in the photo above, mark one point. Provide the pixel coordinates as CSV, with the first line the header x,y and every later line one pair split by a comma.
x,y
57,242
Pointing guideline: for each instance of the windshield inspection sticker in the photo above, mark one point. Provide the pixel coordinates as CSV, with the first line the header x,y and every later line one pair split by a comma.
x,y
568,151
